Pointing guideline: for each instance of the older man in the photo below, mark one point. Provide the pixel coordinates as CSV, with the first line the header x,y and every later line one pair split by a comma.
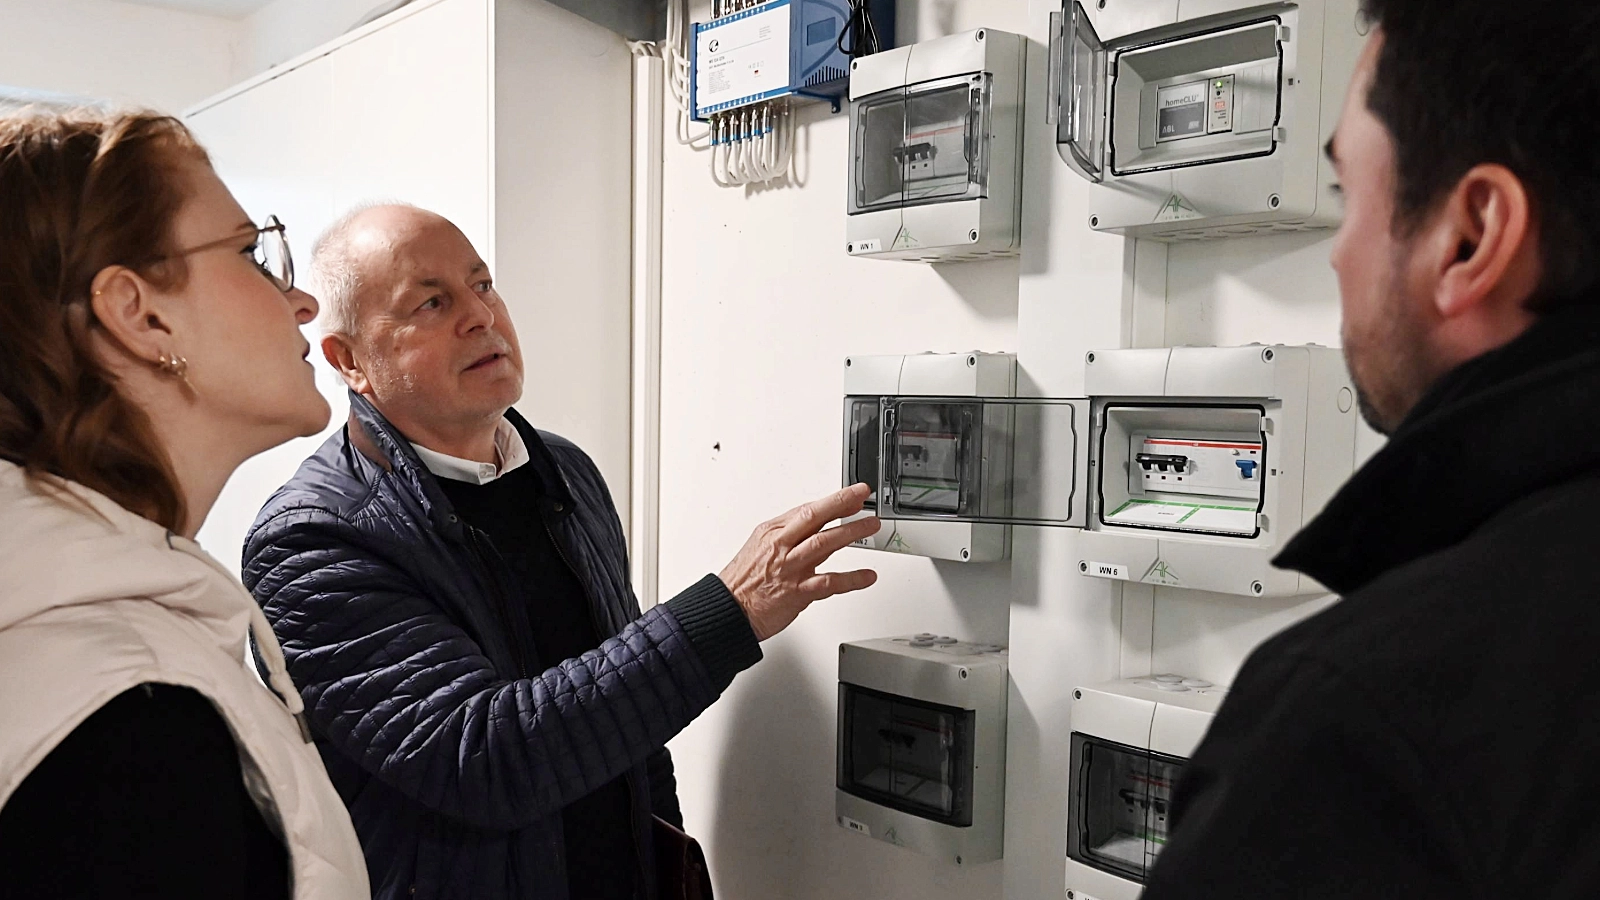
x,y
1434,734
451,590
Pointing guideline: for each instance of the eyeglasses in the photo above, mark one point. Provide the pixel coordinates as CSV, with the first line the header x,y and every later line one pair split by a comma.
x,y
271,253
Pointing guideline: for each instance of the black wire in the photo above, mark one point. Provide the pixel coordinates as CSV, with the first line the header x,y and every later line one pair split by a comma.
x,y
861,30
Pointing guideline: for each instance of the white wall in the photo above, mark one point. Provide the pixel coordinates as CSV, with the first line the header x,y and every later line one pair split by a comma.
x,y
760,308
105,50
284,29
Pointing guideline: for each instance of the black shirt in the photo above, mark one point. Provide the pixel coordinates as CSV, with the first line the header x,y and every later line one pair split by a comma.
x,y
602,861
145,798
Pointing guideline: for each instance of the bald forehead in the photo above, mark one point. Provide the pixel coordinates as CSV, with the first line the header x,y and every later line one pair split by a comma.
x,y
392,248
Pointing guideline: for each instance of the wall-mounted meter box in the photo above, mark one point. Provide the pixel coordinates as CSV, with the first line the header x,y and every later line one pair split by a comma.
x,y
1203,120
1130,740
922,745
936,149
953,457
775,49
1206,460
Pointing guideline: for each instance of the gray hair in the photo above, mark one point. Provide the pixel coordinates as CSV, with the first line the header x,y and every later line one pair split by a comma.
x,y
334,274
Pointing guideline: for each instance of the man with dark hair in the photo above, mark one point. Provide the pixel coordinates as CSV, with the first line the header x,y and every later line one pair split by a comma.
x,y
1434,734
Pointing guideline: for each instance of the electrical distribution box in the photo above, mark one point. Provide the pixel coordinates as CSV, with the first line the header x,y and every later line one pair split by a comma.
x,y
1186,467
1130,740
780,48
936,149
922,745
1203,120
953,457
1207,460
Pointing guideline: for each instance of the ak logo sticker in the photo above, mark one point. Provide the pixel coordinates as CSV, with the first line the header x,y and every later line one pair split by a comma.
x,y
1160,572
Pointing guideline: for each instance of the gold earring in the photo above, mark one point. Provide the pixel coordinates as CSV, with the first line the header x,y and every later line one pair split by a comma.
x,y
174,366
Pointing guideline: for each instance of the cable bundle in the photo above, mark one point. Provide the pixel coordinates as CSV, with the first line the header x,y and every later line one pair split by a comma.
x,y
753,145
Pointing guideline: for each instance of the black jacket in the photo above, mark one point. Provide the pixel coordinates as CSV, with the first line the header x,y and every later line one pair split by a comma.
x,y
454,745
1437,732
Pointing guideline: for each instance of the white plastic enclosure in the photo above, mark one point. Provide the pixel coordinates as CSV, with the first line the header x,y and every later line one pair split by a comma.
x,y
1200,119
935,149
922,745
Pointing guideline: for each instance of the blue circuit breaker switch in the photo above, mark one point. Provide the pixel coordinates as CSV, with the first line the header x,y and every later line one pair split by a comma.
x,y
1247,467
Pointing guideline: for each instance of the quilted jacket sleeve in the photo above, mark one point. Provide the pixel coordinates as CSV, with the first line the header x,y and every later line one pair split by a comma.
x,y
392,684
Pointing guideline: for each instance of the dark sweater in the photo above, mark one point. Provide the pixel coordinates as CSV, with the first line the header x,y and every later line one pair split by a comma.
x,y
602,862
144,798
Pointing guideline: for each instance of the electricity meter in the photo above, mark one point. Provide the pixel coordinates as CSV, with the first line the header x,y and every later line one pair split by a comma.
x,y
1207,460
954,459
1130,740
922,745
935,149
1203,122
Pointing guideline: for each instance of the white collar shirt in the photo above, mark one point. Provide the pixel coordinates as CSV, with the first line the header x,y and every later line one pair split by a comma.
x,y
510,453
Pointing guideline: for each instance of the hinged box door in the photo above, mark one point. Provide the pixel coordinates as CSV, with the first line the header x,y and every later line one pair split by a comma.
x,y
1007,461
1078,74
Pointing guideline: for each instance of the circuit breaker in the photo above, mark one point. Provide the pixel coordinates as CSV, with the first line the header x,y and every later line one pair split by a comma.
x,y
935,149
1200,121
1130,741
922,745
1208,459
953,457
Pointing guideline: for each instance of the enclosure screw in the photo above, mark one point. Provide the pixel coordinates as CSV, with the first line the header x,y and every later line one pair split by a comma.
x,y
1274,201
980,34
1083,567
847,362
1091,356
849,248
972,361
963,673
1257,588
1076,695
1094,221
1267,355
958,860
965,554
972,235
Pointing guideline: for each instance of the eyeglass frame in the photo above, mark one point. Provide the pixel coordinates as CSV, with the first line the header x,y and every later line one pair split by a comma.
x,y
273,225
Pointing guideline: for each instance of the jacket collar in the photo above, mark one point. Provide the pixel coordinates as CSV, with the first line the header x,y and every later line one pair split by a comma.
x,y
1497,428
375,438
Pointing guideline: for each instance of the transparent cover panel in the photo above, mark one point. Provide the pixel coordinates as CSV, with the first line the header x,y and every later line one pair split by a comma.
x,y
878,178
924,144
1081,121
863,440
989,460
1120,804
906,754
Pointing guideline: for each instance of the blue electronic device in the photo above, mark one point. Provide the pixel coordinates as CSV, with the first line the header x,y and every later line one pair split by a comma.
x,y
777,49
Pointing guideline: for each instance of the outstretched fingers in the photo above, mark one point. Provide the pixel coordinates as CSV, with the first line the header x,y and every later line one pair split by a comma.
x,y
807,519
815,550
827,584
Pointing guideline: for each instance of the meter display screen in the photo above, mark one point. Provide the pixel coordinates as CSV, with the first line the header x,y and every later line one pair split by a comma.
x,y
908,755
1121,803
1181,111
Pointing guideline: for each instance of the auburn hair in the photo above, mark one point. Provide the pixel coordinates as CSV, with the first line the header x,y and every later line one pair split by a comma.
x,y
83,190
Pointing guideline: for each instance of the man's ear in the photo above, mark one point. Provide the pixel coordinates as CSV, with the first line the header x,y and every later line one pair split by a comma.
x,y
340,353
126,307
1486,246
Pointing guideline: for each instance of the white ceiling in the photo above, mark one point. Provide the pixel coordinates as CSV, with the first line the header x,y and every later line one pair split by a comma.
x,y
227,9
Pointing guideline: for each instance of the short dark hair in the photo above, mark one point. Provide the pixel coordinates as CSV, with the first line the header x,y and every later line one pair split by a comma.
x,y
1460,83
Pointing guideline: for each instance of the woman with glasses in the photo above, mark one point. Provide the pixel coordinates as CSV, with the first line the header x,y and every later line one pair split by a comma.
x,y
149,344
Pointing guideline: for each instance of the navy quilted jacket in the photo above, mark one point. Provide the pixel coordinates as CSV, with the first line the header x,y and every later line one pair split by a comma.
x,y
454,746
